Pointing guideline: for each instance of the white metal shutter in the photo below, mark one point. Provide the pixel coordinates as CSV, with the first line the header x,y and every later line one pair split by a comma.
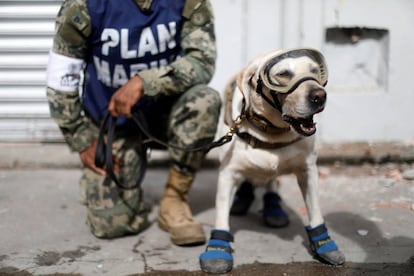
x,y
26,30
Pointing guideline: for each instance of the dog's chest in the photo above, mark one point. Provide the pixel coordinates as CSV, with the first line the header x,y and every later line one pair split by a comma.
x,y
265,164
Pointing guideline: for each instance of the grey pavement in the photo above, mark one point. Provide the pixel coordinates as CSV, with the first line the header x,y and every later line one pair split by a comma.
x,y
368,209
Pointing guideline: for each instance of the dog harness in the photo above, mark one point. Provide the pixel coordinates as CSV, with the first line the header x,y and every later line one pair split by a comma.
x,y
256,143
263,124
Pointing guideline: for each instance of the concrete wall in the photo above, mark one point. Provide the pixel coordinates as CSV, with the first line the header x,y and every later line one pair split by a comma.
x,y
370,95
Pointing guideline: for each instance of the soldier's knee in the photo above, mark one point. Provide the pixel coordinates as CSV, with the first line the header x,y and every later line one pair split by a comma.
x,y
110,223
111,214
204,101
208,94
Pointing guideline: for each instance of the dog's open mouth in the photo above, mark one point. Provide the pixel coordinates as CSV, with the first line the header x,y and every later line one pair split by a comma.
x,y
304,126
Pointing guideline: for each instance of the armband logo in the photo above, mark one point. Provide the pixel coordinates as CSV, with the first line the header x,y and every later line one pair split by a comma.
x,y
72,78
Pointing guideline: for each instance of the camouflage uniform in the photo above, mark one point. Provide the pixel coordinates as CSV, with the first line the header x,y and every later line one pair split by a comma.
x,y
192,120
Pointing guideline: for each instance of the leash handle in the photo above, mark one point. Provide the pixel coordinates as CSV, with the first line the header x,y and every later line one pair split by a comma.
x,y
104,154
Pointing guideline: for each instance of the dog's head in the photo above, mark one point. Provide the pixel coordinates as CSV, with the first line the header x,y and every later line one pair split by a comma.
x,y
292,82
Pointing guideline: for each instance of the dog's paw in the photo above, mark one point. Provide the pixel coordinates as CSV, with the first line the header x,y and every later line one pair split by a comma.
x,y
217,258
324,248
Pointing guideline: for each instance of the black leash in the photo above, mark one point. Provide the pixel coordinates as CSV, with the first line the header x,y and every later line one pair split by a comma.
x,y
139,119
104,155
104,150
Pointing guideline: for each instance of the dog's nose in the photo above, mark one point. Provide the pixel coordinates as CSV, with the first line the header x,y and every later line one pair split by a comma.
x,y
317,97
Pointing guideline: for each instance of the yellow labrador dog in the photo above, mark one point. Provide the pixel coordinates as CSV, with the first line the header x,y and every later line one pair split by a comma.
x,y
269,107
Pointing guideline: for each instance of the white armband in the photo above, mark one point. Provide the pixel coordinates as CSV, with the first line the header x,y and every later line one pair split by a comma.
x,y
64,73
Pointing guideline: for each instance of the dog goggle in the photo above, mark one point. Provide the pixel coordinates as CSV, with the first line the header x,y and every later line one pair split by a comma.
x,y
269,80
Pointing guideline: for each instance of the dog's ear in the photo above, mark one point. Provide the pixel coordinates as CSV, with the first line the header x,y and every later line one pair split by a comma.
x,y
246,80
239,81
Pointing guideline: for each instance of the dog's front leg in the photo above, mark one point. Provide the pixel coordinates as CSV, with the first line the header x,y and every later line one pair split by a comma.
x,y
308,181
225,193
218,258
321,244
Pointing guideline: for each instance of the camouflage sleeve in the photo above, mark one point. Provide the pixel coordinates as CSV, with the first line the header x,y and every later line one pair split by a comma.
x,y
70,43
66,110
199,55
72,29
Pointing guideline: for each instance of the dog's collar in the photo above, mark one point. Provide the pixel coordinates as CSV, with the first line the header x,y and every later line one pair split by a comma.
x,y
256,143
263,124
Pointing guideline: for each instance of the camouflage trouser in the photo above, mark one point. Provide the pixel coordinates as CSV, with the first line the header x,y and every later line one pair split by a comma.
x,y
191,120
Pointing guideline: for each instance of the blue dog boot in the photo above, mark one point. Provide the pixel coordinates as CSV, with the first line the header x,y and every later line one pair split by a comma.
x,y
323,247
217,258
243,199
273,214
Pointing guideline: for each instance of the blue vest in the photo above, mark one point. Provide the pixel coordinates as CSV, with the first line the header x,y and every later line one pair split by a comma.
x,y
125,41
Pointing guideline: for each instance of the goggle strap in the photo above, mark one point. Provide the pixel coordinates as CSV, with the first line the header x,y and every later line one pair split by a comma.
x,y
275,103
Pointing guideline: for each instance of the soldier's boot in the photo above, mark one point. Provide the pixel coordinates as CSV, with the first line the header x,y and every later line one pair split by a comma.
x,y
175,214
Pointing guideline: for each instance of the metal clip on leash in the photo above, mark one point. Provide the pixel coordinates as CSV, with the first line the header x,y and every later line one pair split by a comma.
x,y
234,126
227,137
